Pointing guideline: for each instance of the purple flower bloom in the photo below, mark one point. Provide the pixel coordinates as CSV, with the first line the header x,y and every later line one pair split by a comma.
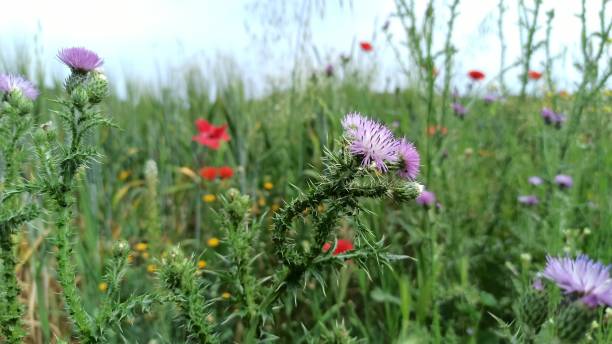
x,y
547,115
583,276
564,181
490,98
410,159
535,180
371,141
537,284
553,118
329,70
459,110
80,59
426,198
529,200
558,119
10,83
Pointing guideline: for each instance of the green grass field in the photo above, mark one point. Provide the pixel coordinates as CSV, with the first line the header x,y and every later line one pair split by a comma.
x,y
467,260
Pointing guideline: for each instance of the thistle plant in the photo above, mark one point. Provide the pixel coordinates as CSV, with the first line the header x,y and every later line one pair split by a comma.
x,y
16,101
60,161
587,289
371,163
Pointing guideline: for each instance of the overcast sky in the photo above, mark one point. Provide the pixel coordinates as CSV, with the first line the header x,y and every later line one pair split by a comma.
x,y
149,39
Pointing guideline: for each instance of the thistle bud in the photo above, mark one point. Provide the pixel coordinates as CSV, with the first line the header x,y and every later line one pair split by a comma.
x,y
73,81
121,249
97,87
79,97
533,308
574,321
406,191
19,103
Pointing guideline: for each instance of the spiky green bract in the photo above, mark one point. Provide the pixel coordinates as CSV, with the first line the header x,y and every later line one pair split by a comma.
x,y
240,238
15,124
181,286
573,322
113,309
533,309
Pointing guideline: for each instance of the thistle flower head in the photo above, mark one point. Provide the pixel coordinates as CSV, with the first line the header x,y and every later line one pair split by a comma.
x,y
426,198
80,59
459,110
535,180
564,181
410,159
583,276
9,83
528,200
370,141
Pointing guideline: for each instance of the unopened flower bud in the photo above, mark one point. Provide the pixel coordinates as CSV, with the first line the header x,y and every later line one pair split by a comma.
x,y
79,97
97,87
574,321
73,81
19,102
121,248
533,308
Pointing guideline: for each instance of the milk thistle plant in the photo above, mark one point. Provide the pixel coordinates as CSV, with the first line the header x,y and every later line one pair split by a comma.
x,y
587,290
59,161
16,100
371,163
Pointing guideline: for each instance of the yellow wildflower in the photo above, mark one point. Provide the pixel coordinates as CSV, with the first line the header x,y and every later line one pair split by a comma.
x,y
103,287
123,175
226,295
141,246
268,185
213,242
151,268
209,198
201,264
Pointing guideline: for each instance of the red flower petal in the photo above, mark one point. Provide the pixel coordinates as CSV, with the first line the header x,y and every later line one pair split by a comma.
x,y
226,172
208,173
476,75
342,246
366,46
534,75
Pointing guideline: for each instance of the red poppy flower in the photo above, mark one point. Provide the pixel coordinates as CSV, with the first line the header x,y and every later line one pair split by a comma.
x,y
225,172
534,75
208,173
209,135
341,246
366,46
476,75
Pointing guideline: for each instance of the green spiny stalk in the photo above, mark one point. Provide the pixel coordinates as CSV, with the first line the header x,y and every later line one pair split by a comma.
x,y
15,123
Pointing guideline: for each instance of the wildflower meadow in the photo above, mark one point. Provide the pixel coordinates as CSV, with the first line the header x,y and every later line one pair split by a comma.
x,y
459,207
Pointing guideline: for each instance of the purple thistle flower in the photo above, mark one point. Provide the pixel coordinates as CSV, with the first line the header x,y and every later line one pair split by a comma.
x,y
371,141
528,200
10,83
564,181
410,158
426,198
459,110
583,276
329,70
537,284
490,98
558,119
80,59
547,115
535,180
